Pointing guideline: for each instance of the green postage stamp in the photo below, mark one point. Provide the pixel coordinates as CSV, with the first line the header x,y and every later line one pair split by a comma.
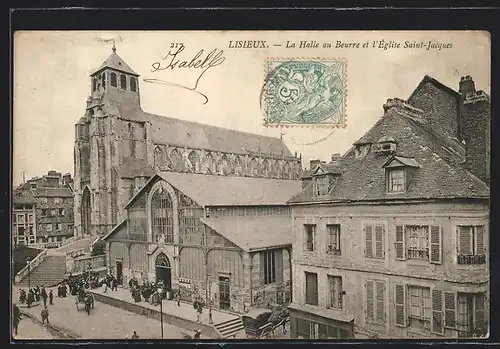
x,y
305,92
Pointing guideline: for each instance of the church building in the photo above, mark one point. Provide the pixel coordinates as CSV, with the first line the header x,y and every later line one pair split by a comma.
x,y
118,147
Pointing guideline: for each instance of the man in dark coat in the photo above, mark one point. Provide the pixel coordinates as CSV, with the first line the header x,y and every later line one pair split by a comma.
x,y
31,298
44,295
16,317
51,297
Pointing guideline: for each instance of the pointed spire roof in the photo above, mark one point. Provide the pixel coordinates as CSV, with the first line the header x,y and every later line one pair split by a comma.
x,y
117,63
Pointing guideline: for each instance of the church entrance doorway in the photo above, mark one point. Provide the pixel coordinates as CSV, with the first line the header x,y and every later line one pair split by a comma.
x,y
163,270
119,272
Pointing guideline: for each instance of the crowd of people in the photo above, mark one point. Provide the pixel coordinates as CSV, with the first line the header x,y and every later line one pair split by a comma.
x,y
35,294
152,292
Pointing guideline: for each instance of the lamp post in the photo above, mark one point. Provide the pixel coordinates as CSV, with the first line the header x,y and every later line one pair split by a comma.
x,y
28,260
160,294
210,320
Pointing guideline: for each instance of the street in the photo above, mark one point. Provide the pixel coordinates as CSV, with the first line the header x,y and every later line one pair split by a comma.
x,y
104,322
28,329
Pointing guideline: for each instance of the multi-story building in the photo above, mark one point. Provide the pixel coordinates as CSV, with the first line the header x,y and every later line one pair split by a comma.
x,y
391,239
43,210
118,147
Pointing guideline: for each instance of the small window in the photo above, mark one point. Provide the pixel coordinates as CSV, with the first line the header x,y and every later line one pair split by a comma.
x,y
471,249
420,310
44,212
33,185
103,80
309,237
396,180
113,79
49,227
133,84
94,84
123,82
311,288
333,246
58,226
374,241
20,218
61,212
45,200
375,301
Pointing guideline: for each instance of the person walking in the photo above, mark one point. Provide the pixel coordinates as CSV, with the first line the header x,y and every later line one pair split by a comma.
x,y
178,298
31,298
135,335
51,297
44,296
197,334
45,315
199,311
16,317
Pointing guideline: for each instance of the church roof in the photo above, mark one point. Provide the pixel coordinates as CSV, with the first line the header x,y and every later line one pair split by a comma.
x,y
117,63
133,167
210,190
253,233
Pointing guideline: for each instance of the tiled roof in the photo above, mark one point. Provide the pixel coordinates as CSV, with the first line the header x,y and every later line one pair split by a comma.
x,y
166,130
52,192
254,233
440,175
23,197
116,62
115,228
210,190
404,161
133,167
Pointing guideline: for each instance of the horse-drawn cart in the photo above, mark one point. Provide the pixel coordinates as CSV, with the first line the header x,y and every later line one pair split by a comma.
x,y
260,324
86,299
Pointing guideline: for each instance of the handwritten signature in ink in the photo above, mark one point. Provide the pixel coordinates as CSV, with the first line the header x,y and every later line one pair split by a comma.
x,y
199,61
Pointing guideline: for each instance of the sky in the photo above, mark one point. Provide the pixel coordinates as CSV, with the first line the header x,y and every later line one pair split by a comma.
x,y
52,83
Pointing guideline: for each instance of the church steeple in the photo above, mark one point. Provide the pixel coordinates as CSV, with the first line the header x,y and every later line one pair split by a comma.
x,y
116,80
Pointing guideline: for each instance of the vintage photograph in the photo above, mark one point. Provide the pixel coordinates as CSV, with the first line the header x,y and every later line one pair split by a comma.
x,y
251,185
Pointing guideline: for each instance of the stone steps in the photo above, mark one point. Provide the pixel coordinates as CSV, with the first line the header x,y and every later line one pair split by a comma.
x,y
231,329
48,273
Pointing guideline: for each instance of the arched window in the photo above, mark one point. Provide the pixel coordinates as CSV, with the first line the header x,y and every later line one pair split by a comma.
x,y
158,158
162,216
210,164
94,84
193,159
162,261
123,82
286,171
254,167
86,212
176,159
133,84
238,166
265,167
103,80
113,79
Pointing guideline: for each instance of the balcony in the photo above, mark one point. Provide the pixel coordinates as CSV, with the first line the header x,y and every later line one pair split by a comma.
x,y
471,259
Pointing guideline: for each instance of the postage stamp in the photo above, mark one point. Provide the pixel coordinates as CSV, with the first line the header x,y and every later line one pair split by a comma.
x,y
305,92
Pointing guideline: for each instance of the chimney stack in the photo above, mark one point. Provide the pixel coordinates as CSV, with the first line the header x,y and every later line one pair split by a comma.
x,y
314,163
67,179
476,132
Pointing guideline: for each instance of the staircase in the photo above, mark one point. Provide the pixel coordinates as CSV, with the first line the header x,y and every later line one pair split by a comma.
x,y
76,245
231,329
49,272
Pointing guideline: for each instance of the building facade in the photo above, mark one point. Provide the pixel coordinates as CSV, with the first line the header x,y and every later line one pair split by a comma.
x,y
226,239
42,212
391,239
118,147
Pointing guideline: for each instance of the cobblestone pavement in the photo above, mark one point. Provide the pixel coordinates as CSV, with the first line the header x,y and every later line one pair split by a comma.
x,y
28,329
104,322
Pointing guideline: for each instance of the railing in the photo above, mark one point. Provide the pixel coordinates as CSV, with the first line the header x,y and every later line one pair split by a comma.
x,y
75,253
471,259
70,241
30,266
88,263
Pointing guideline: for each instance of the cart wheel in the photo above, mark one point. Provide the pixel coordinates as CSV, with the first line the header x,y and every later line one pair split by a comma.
x,y
267,333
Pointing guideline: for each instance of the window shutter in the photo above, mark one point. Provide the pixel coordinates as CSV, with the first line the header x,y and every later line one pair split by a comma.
x,y
381,301
262,270
278,255
379,241
436,252
480,240
369,300
480,314
400,302
368,241
400,243
437,311
449,309
464,240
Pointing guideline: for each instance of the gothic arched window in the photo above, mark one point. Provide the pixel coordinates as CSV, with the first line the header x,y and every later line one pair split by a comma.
x,y
238,166
193,159
162,216
133,84
103,80
226,166
277,169
158,158
286,171
176,159
113,79
210,164
254,167
123,82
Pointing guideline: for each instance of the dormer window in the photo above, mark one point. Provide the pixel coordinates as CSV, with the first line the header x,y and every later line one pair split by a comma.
x,y
399,172
361,150
396,180
385,145
321,185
